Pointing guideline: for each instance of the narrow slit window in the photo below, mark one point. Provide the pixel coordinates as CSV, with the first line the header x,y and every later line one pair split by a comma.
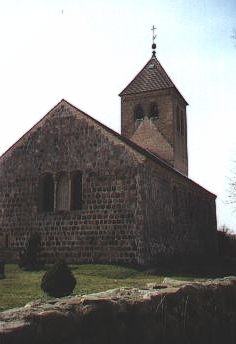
x,y
182,123
46,193
178,120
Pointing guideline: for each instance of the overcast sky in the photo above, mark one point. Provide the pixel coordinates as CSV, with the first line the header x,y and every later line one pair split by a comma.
x,y
87,52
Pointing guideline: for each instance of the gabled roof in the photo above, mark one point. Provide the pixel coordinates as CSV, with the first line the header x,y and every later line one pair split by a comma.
x,y
149,137
152,77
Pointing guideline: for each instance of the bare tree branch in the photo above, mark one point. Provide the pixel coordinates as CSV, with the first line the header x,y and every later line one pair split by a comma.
x,y
233,36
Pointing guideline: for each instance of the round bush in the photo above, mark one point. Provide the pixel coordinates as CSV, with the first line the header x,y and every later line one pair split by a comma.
x,y
59,280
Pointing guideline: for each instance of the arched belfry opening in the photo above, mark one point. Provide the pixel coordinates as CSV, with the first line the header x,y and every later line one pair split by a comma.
x,y
138,113
153,111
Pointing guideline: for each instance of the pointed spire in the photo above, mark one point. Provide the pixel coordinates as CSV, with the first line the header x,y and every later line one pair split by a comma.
x,y
151,78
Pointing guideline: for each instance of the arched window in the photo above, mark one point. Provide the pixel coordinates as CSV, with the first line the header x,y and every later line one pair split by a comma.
x,y
46,192
138,113
153,111
76,190
62,192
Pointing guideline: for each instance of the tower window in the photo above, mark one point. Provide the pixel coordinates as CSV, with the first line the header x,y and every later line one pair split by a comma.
x,y
76,191
46,192
153,112
182,123
178,119
138,112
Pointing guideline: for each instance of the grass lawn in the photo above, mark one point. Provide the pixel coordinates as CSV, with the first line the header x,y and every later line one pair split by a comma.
x,y
20,287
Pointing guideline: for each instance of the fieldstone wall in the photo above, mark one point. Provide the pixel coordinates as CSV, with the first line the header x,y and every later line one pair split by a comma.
x,y
108,225
180,216
182,313
130,212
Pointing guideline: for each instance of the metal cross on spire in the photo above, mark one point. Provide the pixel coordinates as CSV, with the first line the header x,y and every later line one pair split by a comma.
x,y
153,40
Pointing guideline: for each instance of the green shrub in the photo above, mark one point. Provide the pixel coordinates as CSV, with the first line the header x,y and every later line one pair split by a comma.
x,y
226,241
59,280
30,259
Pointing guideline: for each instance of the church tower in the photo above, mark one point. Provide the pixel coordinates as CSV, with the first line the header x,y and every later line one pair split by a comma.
x,y
153,115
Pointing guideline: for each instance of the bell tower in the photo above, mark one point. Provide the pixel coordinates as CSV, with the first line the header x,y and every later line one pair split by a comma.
x,y
153,114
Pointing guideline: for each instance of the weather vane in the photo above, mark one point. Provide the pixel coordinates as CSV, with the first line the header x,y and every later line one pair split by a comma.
x,y
153,39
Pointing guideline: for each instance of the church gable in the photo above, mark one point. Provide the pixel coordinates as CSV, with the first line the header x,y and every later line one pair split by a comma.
x,y
66,134
74,181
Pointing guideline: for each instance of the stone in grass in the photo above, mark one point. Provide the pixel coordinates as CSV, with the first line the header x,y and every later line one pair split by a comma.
x,y
58,281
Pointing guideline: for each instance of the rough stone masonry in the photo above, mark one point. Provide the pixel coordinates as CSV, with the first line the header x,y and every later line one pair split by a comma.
x,y
169,313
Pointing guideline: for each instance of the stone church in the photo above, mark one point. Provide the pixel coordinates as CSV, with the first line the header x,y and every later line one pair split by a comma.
x,y
97,196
